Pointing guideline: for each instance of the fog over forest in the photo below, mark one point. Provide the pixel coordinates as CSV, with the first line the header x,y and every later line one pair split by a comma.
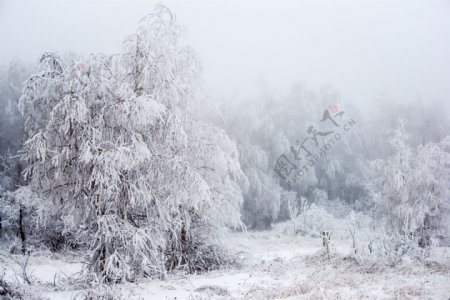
x,y
224,149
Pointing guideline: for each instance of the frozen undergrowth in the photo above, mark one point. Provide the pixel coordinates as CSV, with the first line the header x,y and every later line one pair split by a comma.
x,y
274,266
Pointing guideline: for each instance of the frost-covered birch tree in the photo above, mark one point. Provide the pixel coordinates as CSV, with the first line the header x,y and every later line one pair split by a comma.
x,y
109,151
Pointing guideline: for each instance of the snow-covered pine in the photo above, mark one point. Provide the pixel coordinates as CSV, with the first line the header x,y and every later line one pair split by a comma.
x,y
108,149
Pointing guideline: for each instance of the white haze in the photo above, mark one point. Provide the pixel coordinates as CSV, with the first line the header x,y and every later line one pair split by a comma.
x,y
362,48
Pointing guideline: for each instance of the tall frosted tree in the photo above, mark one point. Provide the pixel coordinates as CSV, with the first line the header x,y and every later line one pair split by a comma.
x,y
108,148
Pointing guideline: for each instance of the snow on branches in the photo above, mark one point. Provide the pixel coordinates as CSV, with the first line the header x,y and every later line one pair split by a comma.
x,y
108,148
411,188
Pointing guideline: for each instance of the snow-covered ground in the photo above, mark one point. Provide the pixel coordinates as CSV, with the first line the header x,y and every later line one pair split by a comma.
x,y
273,267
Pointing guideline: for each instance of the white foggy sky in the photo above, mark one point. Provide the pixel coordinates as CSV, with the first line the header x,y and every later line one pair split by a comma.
x,y
361,47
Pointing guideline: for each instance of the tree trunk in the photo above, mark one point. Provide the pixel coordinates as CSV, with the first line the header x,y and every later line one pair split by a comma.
x,y
17,180
101,263
22,229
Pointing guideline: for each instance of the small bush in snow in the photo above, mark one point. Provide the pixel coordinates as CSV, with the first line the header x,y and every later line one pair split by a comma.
x,y
309,222
10,291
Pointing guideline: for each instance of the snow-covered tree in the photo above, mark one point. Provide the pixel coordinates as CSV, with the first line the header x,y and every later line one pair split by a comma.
x,y
253,128
411,189
274,125
215,156
12,214
109,149
12,79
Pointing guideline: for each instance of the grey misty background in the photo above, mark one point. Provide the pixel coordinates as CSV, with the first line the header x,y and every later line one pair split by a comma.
x,y
269,71
398,49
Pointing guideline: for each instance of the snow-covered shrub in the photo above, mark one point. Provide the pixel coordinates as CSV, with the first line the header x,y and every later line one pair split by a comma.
x,y
14,291
337,207
17,220
382,247
19,212
309,222
353,223
201,254
8,291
